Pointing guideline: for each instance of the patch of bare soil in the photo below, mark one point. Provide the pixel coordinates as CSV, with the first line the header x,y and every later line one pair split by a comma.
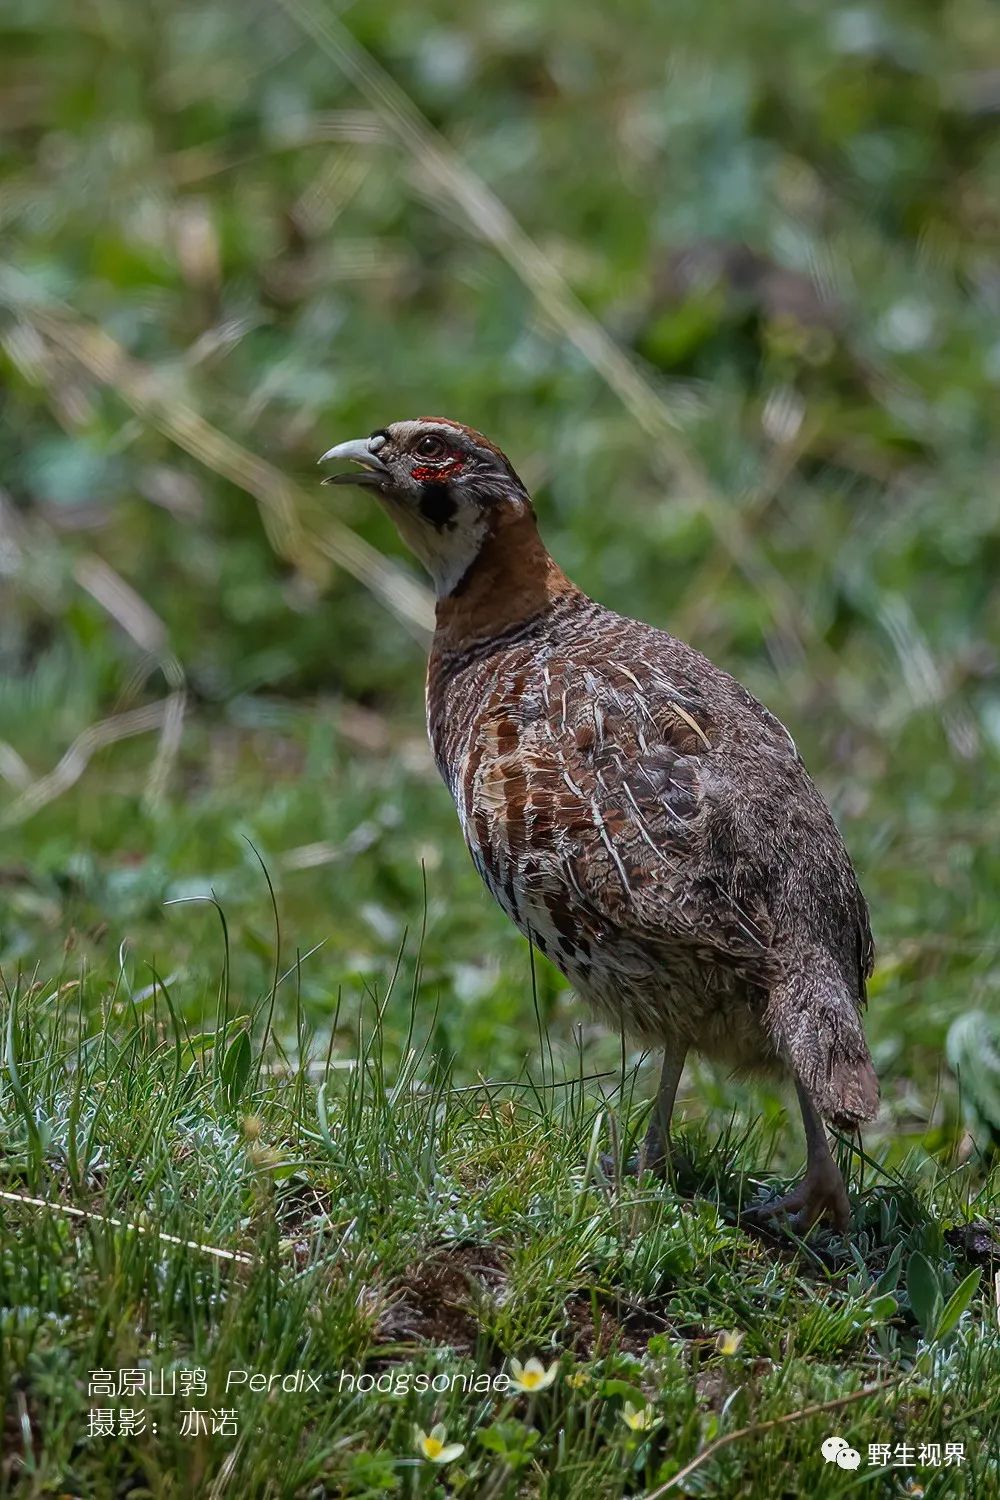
x,y
436,1301
602,1326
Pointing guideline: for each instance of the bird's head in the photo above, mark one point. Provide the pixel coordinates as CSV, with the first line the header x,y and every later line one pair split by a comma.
x,y
447,488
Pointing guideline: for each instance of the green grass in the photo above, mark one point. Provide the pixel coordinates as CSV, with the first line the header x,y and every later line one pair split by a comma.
x,y
390,1220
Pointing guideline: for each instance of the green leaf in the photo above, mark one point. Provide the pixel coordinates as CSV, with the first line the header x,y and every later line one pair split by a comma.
x,y
957,1304
625,1390
973,1050
889,1279
883,1308
924,1291
512,1440
490,1438
236,1067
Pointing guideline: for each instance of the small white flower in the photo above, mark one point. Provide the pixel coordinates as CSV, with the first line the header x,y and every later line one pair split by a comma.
x,y
532,1375
729,1341
638,1418
434,1445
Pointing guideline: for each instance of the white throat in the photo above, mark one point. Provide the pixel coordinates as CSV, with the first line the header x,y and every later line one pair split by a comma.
x,y
448,553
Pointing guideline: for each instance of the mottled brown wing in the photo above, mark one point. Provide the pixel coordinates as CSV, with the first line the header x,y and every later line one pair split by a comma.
x,y
606,794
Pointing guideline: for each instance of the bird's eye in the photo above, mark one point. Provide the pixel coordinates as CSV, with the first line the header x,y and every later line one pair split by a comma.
x,y
432,447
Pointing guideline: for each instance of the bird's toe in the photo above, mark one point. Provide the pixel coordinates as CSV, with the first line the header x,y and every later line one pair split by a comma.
x,y
613,1168
676,1167
820,1195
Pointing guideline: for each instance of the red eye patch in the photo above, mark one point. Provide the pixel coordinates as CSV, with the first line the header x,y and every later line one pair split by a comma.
x,y
435,473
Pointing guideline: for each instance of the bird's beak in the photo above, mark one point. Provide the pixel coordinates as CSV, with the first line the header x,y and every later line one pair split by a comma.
x,y
363,451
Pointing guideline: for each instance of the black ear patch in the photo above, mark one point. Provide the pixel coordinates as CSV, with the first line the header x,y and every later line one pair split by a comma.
x,y
438,505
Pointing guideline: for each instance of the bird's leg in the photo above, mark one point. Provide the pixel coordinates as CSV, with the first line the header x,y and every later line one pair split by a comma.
x,y
655,1153
821,1191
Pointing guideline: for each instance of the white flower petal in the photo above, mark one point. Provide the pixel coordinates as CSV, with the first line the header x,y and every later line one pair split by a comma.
x,y
451,1451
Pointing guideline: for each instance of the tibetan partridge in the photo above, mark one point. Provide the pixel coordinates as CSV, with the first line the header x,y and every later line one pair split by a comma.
x,y
638,814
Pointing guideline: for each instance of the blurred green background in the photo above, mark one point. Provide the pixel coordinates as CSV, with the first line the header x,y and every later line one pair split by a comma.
x,y
722,280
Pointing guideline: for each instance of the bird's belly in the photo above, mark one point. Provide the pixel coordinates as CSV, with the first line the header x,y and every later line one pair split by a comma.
x,y
708,1011
654,993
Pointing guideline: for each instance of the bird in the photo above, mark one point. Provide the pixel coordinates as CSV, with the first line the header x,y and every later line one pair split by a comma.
x,y
641,817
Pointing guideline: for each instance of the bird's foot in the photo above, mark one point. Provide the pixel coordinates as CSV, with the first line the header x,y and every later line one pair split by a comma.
x,y
673,1167
820,1194
632,1166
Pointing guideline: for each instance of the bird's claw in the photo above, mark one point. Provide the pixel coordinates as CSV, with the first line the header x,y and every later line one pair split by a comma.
x,y
821,1194
675,1167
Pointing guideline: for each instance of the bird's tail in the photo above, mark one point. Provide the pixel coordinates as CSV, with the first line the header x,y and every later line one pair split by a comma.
x,y
815,1021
